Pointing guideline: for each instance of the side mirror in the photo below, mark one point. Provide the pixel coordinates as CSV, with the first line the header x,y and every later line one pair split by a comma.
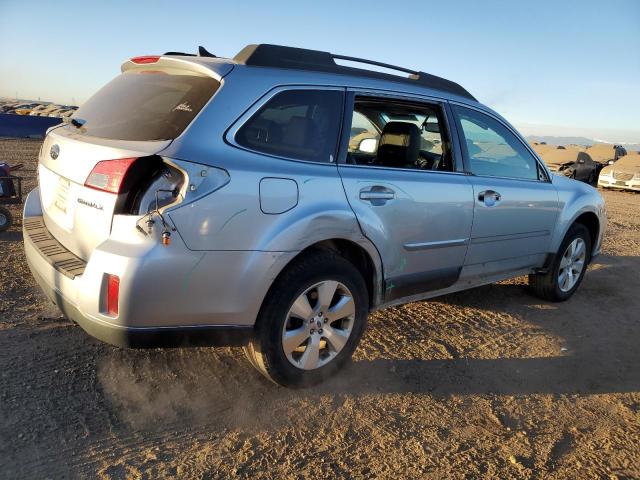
x,y
432,127
611,162
368,145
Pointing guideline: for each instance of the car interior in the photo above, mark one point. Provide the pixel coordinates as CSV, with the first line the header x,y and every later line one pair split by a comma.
x,y
400,135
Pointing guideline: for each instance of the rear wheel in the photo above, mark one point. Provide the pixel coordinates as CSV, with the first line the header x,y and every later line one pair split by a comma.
x,y
568,268
5,219
311,321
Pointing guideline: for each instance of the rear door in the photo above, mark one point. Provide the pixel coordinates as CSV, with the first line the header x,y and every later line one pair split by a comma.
x,y
516,205
416,208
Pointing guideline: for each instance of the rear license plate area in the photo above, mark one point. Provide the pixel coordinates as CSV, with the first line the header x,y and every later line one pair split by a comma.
x,y
62,195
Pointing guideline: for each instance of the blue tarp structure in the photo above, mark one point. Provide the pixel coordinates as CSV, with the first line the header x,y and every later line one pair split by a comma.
x,y
25,126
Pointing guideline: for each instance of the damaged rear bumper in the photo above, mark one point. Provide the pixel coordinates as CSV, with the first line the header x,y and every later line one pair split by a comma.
x,y
169,296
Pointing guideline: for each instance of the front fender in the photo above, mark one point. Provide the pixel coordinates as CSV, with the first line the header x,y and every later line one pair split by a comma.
x,y
577,198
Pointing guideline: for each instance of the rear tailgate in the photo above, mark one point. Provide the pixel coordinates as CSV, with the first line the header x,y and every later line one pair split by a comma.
x,y
79,217
86,168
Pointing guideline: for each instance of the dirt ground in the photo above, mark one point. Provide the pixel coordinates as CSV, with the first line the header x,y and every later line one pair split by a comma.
x,y
489,383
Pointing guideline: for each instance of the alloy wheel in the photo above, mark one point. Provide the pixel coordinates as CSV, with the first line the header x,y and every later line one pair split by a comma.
x,y
572,264
318,325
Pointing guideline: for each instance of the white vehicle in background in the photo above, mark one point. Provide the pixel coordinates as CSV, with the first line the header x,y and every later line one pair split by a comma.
x,y
623,174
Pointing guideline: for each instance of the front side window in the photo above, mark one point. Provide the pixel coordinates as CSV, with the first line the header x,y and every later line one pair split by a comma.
x,y
492,149
297,124
386,133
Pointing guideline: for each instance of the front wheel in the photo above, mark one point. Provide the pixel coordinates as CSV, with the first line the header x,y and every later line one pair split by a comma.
x,y
5,219
311,321
568,268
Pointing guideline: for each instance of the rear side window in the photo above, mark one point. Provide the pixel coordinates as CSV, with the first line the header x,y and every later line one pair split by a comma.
x,y
297,124
492,149
146,105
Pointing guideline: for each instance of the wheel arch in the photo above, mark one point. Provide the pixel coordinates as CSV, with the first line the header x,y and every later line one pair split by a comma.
x,y
362,254
592,223
590,220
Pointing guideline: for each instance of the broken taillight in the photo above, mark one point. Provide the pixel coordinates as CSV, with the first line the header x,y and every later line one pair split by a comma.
x,y
107,175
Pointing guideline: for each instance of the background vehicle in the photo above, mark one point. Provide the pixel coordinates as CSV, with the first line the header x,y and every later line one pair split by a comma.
x,y
221,201
623,174
23,109
10,193
571,163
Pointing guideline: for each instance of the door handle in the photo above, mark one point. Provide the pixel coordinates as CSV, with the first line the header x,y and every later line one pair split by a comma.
x,y
377,195
489,197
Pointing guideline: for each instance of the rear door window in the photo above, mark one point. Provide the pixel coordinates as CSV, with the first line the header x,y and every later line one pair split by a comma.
x,y
296,124
146,105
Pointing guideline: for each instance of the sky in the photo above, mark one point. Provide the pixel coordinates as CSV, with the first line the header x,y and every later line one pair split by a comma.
x,y
550,67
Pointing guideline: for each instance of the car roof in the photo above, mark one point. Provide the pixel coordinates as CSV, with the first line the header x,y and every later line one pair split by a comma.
x,y
313,66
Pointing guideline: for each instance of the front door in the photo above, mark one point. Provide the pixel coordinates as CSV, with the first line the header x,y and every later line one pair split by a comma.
x,y
516,206
401,180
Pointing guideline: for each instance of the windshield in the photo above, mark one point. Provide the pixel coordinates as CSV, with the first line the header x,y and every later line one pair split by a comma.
x,y
147,105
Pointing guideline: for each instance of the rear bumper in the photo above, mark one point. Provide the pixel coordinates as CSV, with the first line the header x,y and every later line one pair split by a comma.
x,y
169,296
146,337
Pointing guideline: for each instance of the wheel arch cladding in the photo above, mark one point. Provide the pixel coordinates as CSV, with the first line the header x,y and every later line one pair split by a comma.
x,y
592,224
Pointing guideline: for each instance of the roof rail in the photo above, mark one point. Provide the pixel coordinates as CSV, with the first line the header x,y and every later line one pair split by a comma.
x,y
266,55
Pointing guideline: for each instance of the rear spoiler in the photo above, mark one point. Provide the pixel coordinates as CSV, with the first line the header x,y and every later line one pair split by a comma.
x,y
203,65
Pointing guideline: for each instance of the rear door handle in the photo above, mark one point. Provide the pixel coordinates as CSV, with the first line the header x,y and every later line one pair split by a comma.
x,y
489,197
377,195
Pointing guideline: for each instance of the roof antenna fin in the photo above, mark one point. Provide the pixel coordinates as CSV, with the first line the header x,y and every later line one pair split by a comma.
x,y
203,52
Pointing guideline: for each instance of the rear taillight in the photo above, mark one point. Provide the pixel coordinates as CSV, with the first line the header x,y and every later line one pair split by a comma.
x,y
145,59
113,292
107,175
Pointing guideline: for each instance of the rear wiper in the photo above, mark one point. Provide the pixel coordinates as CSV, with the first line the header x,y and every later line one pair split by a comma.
x,y
76,122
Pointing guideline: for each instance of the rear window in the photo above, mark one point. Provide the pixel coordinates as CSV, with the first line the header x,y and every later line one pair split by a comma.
x,y
297,124
147,105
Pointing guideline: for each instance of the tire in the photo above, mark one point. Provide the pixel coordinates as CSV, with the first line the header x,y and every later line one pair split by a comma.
x,y
549,286
307,278
5,219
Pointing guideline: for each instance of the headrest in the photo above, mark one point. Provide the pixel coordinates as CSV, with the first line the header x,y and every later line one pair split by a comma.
x,y
299,131
399,144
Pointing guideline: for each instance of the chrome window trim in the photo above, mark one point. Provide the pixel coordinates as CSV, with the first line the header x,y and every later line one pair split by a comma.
x,y
232,131
399,169
518,137
409,97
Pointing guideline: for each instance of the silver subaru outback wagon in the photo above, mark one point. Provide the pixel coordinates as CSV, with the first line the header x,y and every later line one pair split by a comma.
x,y
273,200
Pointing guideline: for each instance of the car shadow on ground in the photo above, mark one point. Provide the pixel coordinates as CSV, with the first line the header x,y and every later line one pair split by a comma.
x,y
597,329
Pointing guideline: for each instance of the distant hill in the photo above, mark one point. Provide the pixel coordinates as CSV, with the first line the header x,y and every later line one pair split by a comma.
x,y
630,147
